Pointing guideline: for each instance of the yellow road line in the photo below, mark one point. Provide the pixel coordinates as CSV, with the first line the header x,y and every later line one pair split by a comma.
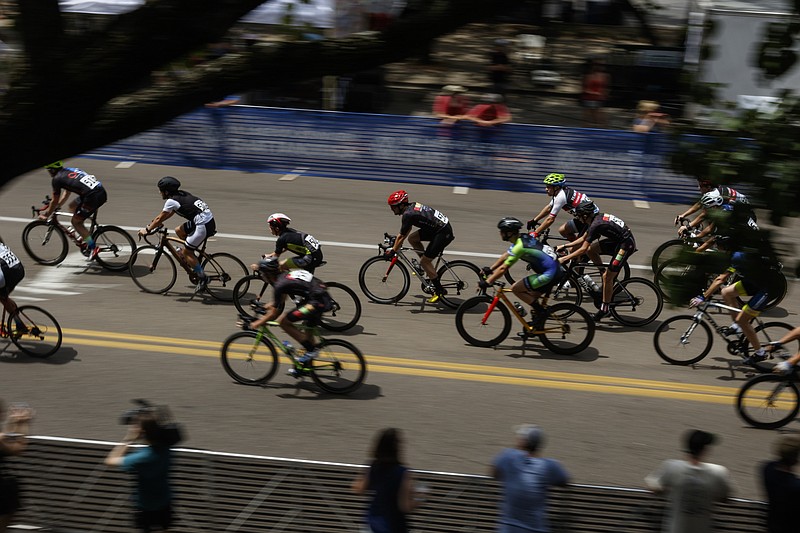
x,y
436,369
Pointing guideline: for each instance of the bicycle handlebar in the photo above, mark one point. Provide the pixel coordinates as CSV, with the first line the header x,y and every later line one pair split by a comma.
x,y
35,211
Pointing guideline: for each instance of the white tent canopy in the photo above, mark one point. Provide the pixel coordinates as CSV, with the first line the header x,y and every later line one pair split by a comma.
x,y
318,13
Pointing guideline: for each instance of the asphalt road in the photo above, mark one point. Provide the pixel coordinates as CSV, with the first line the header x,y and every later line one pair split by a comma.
x,y
611,413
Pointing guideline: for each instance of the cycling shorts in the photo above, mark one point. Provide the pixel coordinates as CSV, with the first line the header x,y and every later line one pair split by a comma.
x,y
307,262
438,240
9,278
197,234
541,283
86,205
575,226
758,297
311,311
619,252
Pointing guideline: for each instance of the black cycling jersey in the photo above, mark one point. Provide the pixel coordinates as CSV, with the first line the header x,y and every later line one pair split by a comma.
x,y
609,226
732,196
189,207
75,180
297,242
12,269
423,217
299,283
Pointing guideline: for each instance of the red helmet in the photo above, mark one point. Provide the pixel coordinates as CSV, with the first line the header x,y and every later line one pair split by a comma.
x,y
398,197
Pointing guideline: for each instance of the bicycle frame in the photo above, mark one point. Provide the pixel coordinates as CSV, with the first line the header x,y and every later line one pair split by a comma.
x,y
169,243
402,256
500,296
702,313
266,331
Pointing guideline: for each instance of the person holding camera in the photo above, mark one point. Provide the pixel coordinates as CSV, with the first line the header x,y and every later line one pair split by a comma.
x,y
12,442
649,118
151,464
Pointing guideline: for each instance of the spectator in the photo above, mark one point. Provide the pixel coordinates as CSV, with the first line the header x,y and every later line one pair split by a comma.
x,y
13,441
499,67
490,112
782,486
691,486
596,83
151,464
526,477
649,119
391,484
452,105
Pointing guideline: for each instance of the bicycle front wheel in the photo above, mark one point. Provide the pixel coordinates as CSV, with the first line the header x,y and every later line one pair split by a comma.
x,y
665,252
34,331
636,302
153,270
339,368
383,282
460,280
223,271
346,309
115,248
481,324
248,359
46,243
683,340
248,290
768,401
567,330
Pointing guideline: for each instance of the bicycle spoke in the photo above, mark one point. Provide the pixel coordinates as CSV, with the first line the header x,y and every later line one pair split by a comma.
x,y
339,368
34,331
768,402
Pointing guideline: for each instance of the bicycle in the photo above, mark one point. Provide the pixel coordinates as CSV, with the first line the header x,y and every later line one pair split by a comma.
x,y
677,337
387,281
769,401
250,358
39,335
152,267
249,293
485,321
673,247
46,240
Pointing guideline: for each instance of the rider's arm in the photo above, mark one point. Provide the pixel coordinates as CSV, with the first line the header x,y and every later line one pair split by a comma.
x,y
540,216
546,223
398,241
581,243
692,210
271,313
54,204
716,284
161,217
500,261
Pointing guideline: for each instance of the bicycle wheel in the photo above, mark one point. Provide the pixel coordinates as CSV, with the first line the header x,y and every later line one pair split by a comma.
x,y
223,271
460,281
568,291
683,340
248,359
567,329
46,243
665,252
768,401
248,290
383,282
480,324
776,294
346,309
34,331
636,302
767,333
339,368
115,248
153,269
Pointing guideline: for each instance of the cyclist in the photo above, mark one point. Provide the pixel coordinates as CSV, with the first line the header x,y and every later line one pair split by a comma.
x,y
200,224
90,195
618,243
315,300
11,273
713,200
525,247
304,246
785,367
728,195
753,284
433,227
568,199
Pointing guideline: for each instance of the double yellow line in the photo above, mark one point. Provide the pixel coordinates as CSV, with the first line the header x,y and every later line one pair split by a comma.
x,y
435,369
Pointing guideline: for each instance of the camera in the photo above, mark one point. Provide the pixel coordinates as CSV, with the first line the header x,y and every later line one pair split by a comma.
x,y
167,432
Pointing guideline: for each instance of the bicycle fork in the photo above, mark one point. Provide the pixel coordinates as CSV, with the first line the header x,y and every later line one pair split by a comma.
x,y
489,311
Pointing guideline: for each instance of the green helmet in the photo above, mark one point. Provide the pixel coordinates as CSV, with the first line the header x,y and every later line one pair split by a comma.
x,y
55,166
555,179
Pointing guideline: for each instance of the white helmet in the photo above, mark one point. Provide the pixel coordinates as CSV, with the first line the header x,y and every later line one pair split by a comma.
x,y
278,220
711,199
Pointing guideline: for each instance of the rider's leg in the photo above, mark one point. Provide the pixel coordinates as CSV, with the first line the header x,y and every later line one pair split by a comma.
x,y
286,322
193,240
568,230
729,296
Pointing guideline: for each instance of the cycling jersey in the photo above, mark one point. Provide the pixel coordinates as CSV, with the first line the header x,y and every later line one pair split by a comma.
x,y
189,207
568,199
311,291
423,217
731,196
619,243
756,281
298,243
11,270
76,181
528,249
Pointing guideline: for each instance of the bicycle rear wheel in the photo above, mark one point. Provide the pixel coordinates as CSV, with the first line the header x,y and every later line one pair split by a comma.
x,y
474,329
383,282
636,302
339,368
34,331
767,333
346,309
567,329
665,252
223,271
460,281
768,401
248,290
683,340
46,243
153,270
115,248
248,359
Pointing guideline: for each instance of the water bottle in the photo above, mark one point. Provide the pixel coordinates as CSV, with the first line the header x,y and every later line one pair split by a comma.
x,y
583,283
521,310
415,264
179,250
289,347
593,287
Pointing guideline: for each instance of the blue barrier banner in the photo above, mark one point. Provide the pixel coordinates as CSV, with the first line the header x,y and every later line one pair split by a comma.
x,y
514,157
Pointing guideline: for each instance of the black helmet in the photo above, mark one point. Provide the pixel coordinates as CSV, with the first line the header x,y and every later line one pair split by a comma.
x,y
270,265
585,209
169,184
509,224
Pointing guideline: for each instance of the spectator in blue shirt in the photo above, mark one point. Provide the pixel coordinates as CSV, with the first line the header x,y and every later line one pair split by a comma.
x,y
526,478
